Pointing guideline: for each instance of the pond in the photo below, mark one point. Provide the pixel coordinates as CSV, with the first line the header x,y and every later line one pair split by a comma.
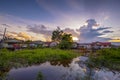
x,y
64,70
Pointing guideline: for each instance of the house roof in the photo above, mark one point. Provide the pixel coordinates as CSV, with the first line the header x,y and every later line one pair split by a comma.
x,y
37,42
106,43
13,41
101,43
47,43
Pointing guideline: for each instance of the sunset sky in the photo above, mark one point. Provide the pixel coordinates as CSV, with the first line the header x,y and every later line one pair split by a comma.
x,y
86,20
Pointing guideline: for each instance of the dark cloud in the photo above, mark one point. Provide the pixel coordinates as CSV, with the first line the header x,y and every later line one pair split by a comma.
x,y
40,29
100,29
89,25
107,31
88,34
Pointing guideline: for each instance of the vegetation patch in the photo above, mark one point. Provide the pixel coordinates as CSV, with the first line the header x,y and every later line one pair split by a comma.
x,y
28,57
109,58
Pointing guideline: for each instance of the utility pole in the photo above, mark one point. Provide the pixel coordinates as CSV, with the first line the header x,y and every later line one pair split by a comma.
x,y
4,34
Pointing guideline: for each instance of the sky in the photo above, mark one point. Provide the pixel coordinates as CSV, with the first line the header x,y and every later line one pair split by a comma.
x,y
86,20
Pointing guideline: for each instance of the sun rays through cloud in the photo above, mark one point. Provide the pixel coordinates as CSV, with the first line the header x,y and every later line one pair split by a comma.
x,y
38,18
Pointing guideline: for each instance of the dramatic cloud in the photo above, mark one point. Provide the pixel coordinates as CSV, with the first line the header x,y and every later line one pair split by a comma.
x,y
107,31
37,28
21,35
115,41
102,28
89,34
71,31
40,29
24,35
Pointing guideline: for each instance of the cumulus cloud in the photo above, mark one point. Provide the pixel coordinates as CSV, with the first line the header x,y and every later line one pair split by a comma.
x,y
24,35
21,35
47,33
40,29
89,34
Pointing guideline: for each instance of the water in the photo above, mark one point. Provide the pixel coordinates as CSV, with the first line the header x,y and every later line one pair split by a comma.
x,y
66,70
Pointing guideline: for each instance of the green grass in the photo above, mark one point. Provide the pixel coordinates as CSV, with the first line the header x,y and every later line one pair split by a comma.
x,y
26,57
109,58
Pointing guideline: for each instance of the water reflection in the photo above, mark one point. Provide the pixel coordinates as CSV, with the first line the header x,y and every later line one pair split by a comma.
x,y
63,70
3,72
63,63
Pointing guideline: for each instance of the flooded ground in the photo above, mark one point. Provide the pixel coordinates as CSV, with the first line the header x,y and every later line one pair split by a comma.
x,y
66,70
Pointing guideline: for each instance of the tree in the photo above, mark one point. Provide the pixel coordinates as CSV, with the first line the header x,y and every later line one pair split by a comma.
x,y
66,41
57,35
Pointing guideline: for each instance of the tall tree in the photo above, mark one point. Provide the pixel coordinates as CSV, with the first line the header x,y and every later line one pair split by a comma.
x,y
57,35
66,41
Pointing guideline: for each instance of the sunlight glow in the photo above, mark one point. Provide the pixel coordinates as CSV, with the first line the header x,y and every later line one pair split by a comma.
x,y
114,40
85,23
75,39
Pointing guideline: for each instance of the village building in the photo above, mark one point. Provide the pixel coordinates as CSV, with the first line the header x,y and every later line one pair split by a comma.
x,y
50,44
3,45
84,45
74,45
53,44
36,43
115,44
101,45
11,44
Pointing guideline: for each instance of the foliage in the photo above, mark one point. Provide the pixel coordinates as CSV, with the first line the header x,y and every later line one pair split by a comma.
x,y
28,41
57,35
109,58
66,41
9,59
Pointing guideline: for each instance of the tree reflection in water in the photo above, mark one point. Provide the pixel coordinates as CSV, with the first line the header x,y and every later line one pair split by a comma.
x,y
64,63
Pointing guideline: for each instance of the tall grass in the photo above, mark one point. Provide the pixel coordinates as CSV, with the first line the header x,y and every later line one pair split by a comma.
x,y
109,58
10,59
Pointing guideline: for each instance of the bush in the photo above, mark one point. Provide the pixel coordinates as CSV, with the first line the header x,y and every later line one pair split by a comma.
x,y
109,58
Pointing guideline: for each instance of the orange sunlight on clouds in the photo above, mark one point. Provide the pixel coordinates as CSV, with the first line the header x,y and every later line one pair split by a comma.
x,y
114,40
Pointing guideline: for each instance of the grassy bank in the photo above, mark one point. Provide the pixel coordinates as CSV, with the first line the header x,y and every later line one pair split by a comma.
x,y
10,59
109,58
